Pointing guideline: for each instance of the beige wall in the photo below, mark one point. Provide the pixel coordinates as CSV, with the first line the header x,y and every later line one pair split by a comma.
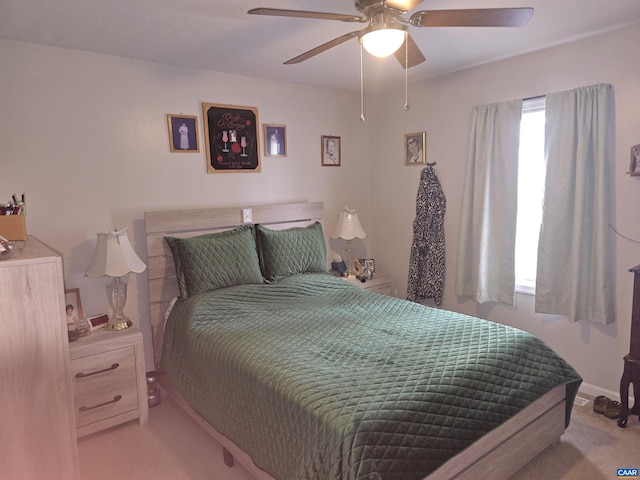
x,y
442,108
85,136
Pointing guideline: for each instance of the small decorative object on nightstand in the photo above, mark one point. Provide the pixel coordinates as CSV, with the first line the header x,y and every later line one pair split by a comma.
x,y
348,227
108,376
115,257
367,272
380,283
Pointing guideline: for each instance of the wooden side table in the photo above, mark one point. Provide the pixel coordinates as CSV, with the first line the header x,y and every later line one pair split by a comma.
x,y
631,373
109,380
380,283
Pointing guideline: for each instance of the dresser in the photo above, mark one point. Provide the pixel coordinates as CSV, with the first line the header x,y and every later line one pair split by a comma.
x,y
37,433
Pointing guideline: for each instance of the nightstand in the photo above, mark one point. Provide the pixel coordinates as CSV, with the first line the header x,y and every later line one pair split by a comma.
x,y
109,380
380,283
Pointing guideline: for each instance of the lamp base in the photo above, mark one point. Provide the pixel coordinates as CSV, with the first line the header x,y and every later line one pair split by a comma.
x,y
348,259
118,324
117,295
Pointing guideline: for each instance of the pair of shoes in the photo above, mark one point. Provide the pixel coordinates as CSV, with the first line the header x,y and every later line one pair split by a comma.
x,y
604,405
613,410
600,404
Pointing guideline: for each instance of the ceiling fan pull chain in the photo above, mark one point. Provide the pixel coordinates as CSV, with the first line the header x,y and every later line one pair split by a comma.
x,y
406,71
361,87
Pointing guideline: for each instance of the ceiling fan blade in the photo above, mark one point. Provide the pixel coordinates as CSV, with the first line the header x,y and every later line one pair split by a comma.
x,y
403,5
279,12
325,46
474,17
415,55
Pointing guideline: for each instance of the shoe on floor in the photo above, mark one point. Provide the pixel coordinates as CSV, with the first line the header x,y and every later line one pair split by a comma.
x,y
613,410
601,403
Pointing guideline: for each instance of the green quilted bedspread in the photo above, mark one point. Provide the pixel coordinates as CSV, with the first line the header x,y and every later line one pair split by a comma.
x,y
317,379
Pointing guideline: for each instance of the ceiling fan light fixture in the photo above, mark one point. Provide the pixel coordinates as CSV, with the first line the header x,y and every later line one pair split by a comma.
x,y
383,42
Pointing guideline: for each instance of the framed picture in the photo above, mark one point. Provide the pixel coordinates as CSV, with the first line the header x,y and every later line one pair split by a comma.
x,y
330,151
231,136
275,140
415,145
183,133
72,306
368,263
634,166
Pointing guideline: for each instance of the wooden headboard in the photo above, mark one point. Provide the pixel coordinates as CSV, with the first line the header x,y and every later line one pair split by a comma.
x,y
163,286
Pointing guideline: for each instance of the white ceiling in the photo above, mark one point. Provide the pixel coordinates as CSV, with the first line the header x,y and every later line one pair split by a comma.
x,y
219,35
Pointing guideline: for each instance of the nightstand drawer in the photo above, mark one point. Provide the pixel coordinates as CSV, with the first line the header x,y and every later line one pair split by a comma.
x,y
385,289
104,385
380,283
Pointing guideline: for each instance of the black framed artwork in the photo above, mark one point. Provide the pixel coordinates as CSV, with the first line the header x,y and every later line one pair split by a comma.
x,y
232,139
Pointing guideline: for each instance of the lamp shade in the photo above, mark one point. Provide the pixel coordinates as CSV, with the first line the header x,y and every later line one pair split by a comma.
x,y
114,256
348,225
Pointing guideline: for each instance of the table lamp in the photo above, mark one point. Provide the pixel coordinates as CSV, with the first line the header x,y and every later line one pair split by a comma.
x,y
115,257
348,227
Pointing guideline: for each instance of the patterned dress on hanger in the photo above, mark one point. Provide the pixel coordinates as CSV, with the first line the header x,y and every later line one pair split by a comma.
x,y
426,263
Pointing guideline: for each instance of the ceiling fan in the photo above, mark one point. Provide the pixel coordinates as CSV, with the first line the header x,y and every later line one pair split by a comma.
x,y
388,29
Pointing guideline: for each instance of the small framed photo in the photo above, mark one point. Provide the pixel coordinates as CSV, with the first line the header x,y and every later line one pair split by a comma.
x,y
330,151
415,145
72,306
369,263
275,140
634,165
183,133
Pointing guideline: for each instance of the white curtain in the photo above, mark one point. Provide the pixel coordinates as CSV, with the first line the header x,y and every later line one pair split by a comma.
x,y
487,234
576,250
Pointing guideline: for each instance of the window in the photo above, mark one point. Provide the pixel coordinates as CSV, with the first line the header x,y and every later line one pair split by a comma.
x,y
531,173
572,271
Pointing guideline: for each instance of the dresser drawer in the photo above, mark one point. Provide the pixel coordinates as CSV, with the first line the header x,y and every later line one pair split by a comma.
x,y
104,385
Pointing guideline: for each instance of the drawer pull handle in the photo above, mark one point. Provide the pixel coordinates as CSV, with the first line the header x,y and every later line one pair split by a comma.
x,y
84,375
115,400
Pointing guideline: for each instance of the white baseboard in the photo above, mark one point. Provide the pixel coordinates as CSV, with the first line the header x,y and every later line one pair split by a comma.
x,y
594,391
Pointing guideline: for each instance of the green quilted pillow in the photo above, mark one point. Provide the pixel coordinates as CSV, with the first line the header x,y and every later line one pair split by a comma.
x,y
292,251
215,260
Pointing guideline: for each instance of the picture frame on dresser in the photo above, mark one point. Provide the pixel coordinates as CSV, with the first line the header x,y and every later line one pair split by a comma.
x,y
73,305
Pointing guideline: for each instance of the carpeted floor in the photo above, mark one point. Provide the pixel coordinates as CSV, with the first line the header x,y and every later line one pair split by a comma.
x,y
592,448
173,447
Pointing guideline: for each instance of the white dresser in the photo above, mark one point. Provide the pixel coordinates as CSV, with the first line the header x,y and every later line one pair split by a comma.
x,y
37,433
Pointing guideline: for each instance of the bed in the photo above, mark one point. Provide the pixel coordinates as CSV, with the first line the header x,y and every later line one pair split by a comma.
x,y
306,376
